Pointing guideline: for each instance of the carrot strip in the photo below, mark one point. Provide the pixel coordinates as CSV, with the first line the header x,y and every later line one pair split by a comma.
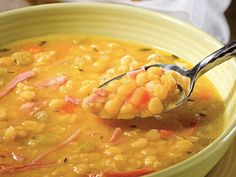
x,y
25,167
166,133
134,173
139,97
10,85
67,108
60,145
116,135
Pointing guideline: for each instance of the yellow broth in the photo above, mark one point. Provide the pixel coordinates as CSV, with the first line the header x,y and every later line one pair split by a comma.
x,y
87,62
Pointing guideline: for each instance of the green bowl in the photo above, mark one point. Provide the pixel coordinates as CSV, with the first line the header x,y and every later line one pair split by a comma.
x,y
136,24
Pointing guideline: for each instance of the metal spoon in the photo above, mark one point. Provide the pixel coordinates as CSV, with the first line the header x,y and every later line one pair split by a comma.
x,y
223,54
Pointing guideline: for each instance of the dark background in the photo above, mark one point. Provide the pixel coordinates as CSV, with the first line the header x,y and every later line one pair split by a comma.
x,y
231,17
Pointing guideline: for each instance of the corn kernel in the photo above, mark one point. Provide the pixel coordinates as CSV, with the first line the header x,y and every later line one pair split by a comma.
x,y
85,90
27,95
184,145
156,70
9,134
126,89
112,107
155,106
127,109
113,86
161,92
140,143
69,85
100,65
153,77
169,81
41,115
119,157
30,125
149,160
141,78
153,135
112,150
6,60
127,59
56,103
81,169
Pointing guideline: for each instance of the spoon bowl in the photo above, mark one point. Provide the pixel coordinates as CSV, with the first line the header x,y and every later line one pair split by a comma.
x,y
221,55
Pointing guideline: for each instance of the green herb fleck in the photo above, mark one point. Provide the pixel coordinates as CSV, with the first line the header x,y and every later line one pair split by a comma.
x,y
175,56
65,160
5,50
190,100
145,49
133,126
202,114
95,49
42,43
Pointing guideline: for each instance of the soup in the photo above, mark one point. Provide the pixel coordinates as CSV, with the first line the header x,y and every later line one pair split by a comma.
x,y
44,130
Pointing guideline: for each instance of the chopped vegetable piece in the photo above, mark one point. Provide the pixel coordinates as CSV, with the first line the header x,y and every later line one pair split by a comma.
x,y
10,85
134,173
68,108
166,133
140,97
116,135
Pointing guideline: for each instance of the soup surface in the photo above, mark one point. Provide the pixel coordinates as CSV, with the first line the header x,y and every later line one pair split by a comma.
x,y
45,132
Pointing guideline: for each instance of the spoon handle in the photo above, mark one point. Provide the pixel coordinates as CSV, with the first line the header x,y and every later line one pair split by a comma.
x,y
223,54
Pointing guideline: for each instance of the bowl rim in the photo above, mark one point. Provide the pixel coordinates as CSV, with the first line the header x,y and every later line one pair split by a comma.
x,y
228,132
